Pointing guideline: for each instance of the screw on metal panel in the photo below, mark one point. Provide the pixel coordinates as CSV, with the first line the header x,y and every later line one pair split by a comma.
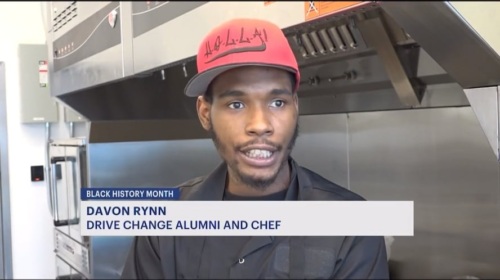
x,y
300,44
314,81
184,70
351,75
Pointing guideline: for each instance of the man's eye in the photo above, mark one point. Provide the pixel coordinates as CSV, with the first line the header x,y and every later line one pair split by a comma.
x,y
236,105
278,103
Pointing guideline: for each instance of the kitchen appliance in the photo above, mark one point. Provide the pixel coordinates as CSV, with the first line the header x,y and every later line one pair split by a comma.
x,y
67,176
124,65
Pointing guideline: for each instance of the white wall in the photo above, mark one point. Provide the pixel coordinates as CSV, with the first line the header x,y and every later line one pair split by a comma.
x,y
31,223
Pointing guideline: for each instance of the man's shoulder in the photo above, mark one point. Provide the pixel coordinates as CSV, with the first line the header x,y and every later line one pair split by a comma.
x,y
187,187
324,189
192,182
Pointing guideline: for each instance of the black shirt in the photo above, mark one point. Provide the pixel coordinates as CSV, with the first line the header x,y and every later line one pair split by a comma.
x,y
274,196
226,258
260,257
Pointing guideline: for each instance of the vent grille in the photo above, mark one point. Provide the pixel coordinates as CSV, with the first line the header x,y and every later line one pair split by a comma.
x,y
65,16
328,40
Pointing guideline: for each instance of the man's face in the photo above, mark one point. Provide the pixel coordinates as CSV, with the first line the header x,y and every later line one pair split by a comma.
x,y
253,120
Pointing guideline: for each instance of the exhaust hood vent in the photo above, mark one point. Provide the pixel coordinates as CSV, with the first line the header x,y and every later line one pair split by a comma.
x,y
326,41
64,17
374,57
360,40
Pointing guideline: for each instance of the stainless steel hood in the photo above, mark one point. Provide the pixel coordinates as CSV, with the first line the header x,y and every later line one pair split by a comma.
x,y
122,62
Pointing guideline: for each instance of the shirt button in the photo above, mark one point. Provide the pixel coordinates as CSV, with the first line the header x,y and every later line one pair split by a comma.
x,y
241,260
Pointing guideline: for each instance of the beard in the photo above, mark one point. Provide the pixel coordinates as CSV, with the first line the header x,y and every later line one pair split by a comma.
x,y
249,180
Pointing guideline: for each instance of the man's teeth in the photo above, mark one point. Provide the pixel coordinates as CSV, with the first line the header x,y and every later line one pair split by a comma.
x,y
259,154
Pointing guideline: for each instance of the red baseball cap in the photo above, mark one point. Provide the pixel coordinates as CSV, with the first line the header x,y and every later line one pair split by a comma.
x,y
241,42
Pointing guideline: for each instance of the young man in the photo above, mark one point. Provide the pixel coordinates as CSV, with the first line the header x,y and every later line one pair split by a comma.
x,y
246,87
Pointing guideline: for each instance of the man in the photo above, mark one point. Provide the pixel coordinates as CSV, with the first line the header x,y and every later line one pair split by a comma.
x,y
246,87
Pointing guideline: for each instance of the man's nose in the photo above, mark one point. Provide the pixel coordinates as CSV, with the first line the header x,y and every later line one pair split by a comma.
x,y
258,122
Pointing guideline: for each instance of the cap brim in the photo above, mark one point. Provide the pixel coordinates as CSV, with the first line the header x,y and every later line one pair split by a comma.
x,y
199,83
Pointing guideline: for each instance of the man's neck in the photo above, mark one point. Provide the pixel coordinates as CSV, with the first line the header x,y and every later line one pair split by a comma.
x,y
237,187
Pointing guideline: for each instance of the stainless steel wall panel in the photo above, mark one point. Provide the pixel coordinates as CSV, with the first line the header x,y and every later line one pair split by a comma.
x,y
440,159
322,146
150,164
108,255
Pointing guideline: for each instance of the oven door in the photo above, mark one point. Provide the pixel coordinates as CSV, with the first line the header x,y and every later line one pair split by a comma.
x,y
72,258
67,175
65,270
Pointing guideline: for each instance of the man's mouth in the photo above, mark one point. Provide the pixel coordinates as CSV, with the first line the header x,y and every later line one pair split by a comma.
x,y
258,153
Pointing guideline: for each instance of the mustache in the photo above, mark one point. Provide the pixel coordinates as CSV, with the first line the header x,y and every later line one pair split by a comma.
x,y
278,147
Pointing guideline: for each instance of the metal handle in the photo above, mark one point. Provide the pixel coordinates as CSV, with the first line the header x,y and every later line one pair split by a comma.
x,y
53,192
47,168
48,175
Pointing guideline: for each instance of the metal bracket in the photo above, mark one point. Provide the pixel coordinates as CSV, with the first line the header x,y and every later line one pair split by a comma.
x,y
375,36
485,104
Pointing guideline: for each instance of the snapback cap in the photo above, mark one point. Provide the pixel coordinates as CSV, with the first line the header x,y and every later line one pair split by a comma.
x,y
241,42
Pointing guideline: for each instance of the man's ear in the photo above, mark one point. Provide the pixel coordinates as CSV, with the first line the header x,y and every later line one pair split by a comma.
x,y
203,108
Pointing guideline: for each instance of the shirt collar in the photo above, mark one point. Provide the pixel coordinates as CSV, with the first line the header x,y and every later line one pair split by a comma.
x,y
212,188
